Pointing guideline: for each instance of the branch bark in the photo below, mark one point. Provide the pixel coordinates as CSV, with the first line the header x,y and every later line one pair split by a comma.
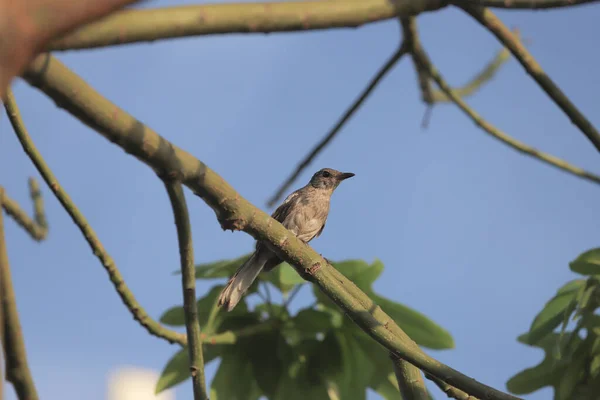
x,y
36,227
188,281
17,367
410,380
138,312
450,391
302,165
236,213
132,26
508,39
422,58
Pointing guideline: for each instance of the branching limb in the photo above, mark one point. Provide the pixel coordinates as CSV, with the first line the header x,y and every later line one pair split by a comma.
x,y
26,29
423,59
138,312
37,227
188,280
450,391
410,380
339,125
508,39
17,368
527,4
132,26
236,213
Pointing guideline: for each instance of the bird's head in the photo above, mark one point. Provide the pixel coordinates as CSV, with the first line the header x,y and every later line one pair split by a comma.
x,y
328,178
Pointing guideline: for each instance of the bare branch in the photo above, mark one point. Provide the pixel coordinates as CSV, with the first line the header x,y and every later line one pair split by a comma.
x,y
188,281
508,39
411,38
132,26
339,125
556,162
26,29
138,312
37,227
450,391
236,213
410,380
526,4
17,368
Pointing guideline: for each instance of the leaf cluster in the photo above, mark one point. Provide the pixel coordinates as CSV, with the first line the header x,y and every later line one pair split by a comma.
x,y
571,364
316,353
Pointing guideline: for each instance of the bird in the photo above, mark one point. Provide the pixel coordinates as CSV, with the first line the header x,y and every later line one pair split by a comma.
x,y
304,213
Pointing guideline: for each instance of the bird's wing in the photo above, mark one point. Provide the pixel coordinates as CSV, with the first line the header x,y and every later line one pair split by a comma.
x,y
320,231
283,210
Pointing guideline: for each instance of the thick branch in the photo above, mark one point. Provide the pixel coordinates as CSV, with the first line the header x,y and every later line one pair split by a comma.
x,y
450,391
139,314
410,380
131,26
527,4
17,368
188,281
37,227
25,27
235,212
339,125
511,41
423,59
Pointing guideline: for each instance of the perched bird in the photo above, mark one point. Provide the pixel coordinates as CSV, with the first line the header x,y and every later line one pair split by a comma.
x,y
304,213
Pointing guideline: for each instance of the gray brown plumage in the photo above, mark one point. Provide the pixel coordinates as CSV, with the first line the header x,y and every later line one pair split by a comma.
x,y
304,213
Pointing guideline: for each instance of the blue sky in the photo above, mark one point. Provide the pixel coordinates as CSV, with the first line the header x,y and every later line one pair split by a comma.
x,y
473,234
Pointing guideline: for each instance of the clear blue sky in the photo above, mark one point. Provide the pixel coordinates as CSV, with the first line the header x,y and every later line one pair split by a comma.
x,y
473,234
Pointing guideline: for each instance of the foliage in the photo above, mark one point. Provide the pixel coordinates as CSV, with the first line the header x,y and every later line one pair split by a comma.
x,y
316,353
572,357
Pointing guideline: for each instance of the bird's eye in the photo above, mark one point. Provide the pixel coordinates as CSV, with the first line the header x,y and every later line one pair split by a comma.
x,y
326,174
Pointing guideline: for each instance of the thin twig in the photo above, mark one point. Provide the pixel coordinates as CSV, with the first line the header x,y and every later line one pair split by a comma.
x,y
410,380
295,291
138,312
17,368
527,4
36,227
411,38
511,41
423,59
188,282
450,391
234,212
338,126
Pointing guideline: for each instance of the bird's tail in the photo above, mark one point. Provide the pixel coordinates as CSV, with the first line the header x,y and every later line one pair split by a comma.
x,y
242,279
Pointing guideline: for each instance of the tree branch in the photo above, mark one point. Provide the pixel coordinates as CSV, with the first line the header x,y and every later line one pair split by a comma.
x,y
508,39
17,368
450,391
339,125
132,26
236,213
138,312
26,29
527,4
556,162
37,227
410,380
188,280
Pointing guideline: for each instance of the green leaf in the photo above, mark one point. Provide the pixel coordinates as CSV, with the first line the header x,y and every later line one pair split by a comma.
x,y
573,373
269,354
552,315
388,387
571,286
421,329
313,321
284,277
218,269
587,263
176,371
234,379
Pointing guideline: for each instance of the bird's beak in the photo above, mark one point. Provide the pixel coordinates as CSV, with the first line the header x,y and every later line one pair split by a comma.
x,y
345,175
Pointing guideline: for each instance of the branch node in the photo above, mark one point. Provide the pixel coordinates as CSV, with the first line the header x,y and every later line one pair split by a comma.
x,y
233,224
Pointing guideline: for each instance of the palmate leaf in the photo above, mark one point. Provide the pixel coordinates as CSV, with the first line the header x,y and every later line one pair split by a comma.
x,y
421,329
234,379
